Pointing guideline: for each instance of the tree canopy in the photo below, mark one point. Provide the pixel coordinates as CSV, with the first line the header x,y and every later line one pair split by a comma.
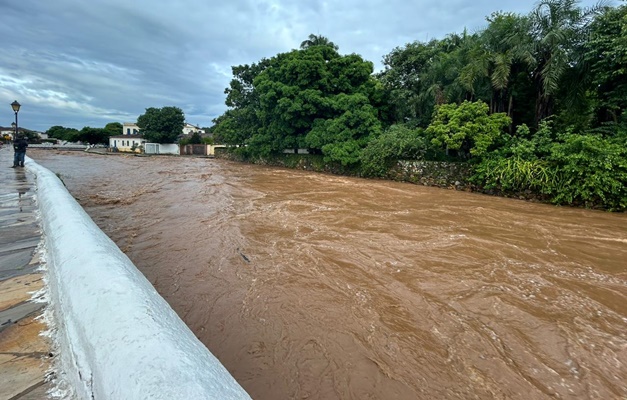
x,y
312,98
161,125
113,128
317,40
86,135
63,133
529,101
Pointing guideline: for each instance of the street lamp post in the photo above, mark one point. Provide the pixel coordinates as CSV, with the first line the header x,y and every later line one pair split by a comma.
x,y
16,108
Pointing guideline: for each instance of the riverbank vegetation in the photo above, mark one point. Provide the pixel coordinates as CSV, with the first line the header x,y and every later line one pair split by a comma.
x,y
532,102
86,135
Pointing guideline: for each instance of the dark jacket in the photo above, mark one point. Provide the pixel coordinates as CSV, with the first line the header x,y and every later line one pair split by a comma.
x,y
20,145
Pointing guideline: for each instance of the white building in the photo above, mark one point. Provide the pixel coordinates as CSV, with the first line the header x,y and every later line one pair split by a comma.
x,y
7,132
127,143
130,128
188,129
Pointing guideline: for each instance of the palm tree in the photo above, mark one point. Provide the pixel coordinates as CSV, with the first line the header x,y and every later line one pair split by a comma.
x,y
317,40
557,28
499,39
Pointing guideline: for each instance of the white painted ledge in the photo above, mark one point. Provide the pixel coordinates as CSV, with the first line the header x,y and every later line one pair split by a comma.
x,y
118,338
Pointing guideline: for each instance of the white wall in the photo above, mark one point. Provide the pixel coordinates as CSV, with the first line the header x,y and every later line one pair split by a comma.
x,y
169,148
118,338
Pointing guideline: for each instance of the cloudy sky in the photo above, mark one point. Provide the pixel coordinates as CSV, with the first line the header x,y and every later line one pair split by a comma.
x,y
86,63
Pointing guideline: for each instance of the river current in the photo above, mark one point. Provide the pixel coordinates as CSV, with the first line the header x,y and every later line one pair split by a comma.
x,y
313,286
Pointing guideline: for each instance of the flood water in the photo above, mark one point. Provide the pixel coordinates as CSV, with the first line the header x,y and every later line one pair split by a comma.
x,y
312,286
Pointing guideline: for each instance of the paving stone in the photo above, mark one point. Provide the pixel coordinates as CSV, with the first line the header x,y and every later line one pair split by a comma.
x,y
24,353
31,242
24,358
39,392
13,315
16,263
18,289
15,233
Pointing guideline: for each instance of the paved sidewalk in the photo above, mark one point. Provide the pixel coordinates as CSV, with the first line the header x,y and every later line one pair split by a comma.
x,y
24,354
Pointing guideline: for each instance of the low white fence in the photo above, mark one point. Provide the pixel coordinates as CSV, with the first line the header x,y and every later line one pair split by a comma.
x,y
118,338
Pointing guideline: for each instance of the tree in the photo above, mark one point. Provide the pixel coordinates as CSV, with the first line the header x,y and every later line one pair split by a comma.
x,y
93,135
240,122
234,127
341,139
467,128
317,40
161,125
31,136
553,47
113,128
404,79
195,138
509,77
606,57
63,133
318,99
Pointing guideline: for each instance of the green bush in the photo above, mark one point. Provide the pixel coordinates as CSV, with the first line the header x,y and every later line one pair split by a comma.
x,y
592,171
577,169
398,142
513,174
467,128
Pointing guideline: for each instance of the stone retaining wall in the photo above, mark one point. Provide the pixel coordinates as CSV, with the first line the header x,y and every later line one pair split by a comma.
x,y
432,173
428,173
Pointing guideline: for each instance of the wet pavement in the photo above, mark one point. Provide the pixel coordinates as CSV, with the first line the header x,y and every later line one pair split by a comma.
x,y
24,352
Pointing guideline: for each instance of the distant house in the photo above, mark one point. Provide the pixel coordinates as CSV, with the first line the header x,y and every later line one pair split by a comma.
x,y
127,143
130,128
188,129
7,133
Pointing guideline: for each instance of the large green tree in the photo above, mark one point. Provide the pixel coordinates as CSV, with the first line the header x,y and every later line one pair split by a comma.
x,y
161,125
240,122
63,133
404,77
553,50
113,128
606,58
316,98
93,135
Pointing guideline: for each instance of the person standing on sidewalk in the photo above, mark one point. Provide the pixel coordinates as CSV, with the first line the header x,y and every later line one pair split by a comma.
x,y
19,146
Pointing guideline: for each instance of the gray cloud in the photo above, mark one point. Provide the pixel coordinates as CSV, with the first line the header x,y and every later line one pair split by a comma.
x,y
86,63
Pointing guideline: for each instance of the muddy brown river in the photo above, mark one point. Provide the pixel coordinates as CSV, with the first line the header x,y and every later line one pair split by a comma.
x,y
312,286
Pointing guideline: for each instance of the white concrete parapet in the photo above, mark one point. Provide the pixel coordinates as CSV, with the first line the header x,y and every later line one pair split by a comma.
x,y
118,338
